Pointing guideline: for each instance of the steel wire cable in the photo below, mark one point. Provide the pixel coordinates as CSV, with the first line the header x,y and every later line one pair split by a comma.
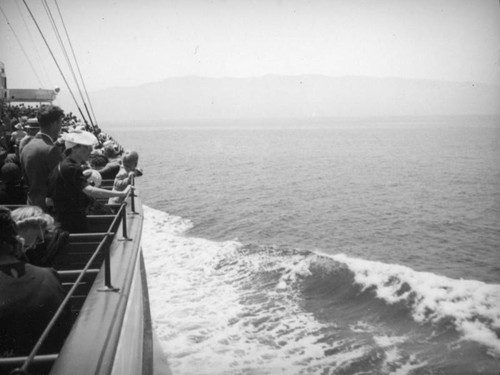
x,y
76,61
46,76
63,48
22,48
55,61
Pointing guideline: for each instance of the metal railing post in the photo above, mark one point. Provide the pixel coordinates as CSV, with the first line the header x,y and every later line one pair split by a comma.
x,y
132,197
107,269
124,225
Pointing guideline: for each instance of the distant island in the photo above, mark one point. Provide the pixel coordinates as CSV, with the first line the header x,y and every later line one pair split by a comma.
x,y
305,96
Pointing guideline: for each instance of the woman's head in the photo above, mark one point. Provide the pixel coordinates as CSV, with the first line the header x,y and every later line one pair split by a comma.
x,y
31,224
79,144
79,152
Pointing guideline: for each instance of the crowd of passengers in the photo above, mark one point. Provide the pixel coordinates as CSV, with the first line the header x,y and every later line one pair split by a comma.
x,y
52,165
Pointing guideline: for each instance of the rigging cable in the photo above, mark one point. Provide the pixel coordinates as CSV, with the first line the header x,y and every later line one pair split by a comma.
x,y
22,48
55,60
65,53
76,61
46,76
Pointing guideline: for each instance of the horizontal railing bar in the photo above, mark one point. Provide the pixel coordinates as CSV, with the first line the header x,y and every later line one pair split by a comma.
x,y
86,242
80,249
77,236
100,216
77,272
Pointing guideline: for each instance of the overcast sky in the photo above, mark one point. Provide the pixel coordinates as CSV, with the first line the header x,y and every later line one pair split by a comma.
x,y
129,42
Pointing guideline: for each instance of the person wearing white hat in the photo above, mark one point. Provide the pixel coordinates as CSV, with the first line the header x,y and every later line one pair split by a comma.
x,y
69,189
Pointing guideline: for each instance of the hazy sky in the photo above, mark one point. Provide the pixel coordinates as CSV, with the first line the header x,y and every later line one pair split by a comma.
x,y
129,42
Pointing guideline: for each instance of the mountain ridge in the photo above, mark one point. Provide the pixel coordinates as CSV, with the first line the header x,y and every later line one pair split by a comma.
x,y
322,76
277,96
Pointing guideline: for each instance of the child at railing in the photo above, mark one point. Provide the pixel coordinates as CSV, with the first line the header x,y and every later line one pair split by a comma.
x,y
128,171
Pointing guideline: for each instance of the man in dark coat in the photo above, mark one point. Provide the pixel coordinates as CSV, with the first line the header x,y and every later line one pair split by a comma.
x,y
40,155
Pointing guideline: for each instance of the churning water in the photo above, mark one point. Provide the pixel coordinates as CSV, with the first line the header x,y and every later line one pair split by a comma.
x,y
323,247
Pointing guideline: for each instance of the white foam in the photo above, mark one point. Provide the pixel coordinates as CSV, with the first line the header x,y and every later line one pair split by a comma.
x,y
473,306
211,319
385,341
208,316
408,367
161,222
361,327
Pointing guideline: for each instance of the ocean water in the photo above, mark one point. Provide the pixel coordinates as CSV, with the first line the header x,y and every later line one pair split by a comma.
x,y
323,246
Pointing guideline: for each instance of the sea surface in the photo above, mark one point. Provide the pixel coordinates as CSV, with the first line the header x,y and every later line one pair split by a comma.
x,y
323,246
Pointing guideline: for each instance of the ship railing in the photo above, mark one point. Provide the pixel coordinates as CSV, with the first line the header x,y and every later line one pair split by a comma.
x,y
47,360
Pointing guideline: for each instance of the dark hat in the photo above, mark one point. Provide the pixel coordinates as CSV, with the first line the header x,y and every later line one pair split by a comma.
x,y
98,161
32,124
10,172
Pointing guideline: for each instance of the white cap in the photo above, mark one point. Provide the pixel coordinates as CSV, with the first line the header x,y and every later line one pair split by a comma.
x,y
79,137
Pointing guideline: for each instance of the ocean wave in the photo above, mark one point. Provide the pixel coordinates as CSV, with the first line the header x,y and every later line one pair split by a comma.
x,y
224,307
214,310
472,306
